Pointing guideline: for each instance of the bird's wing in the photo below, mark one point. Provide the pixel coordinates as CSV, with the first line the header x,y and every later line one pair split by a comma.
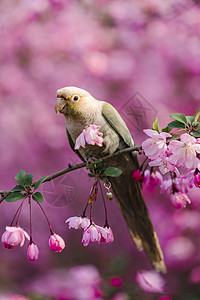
x,y
72,145
117,123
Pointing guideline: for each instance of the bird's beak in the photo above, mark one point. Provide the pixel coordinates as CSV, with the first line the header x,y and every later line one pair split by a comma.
x,y
60,104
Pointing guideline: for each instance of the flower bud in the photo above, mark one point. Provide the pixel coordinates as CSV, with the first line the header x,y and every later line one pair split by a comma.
x,y
33,252
56,243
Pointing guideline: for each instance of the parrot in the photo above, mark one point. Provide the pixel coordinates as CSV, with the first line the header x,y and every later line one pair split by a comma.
x,y
80,110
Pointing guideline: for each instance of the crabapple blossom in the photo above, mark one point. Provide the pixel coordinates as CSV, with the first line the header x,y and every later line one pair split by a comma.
x,y
14,236
150,281
179,200
90,135
137,175
106,235
164,165
56,243
184,152
91,234
180,184
33,252
152,178
155,147
78,222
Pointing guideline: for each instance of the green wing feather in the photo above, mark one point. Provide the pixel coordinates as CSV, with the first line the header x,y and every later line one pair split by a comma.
x,y
115,120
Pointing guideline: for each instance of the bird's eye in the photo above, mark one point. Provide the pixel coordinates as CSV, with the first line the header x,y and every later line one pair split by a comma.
x,y
75,98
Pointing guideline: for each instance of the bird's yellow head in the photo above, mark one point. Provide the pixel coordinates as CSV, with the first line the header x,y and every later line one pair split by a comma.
x,y
71,101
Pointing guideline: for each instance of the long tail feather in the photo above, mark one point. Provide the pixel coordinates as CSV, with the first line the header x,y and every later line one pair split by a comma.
x,y
131,203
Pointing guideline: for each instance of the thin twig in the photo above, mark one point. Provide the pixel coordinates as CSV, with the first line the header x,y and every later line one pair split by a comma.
x,y
76,167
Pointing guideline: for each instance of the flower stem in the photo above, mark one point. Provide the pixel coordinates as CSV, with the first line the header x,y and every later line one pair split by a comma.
x,y
104,203
51,230
30,220
18,211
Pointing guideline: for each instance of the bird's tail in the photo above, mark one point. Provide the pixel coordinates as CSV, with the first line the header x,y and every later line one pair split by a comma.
x,y
131,203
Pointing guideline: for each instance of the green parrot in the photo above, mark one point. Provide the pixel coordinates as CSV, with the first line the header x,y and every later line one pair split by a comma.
x,y
81,110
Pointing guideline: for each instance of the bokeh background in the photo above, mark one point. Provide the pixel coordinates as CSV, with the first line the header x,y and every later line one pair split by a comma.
x,y
144,58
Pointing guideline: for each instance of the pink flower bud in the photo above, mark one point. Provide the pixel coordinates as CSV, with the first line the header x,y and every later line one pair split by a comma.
x,y
137,175
33,252
14,236
56,243
179,200
116,281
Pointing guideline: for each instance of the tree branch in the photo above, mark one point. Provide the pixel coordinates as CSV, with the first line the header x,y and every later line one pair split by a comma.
x,y
71,168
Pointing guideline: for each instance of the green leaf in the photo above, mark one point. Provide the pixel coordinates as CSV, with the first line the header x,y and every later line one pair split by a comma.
x,y
112,172
38,182
190,119
176,124
28,179
179,117
18,188
38,197
197,116
166,129
195,134
155,125
14,196
20,177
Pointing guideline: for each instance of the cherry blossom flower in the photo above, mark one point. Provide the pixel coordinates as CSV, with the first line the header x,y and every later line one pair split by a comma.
x,y
184,152
179,200
14,236
106,235
177,184
56,243
90,135
164,165
78,222
152,178
155,147
33,252
91,234
137,175
150,281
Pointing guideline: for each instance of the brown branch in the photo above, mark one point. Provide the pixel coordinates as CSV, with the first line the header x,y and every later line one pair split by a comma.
x,y
76,167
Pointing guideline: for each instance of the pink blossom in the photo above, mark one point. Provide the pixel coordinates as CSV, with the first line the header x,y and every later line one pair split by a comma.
x,y
91,234
116,281
152,178
177,184
137,175
78,222
164,165
90,135
179,200
106,235
33,252
14,236
150,281
56,243
155,147
184,152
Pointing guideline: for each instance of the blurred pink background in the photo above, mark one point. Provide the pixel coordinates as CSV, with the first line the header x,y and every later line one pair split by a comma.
x,y
144,58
